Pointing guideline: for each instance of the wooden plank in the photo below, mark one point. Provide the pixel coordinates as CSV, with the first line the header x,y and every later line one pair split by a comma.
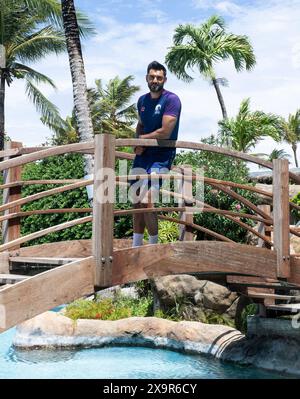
x,y
65,249
45,153
262,228
199,146
258,285
213,256
42,260
227,215
295,270
40,293
46,193
7,153
185,232
250,279
22,183
192,146
193,209
286,307
12,278
129,264
103,208
12,228
44,232
4,262
45,212
263,295
281,216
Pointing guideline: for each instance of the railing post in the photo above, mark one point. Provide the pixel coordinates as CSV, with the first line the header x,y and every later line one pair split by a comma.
x,y
281,216
264,229
11,229
185,233
103,208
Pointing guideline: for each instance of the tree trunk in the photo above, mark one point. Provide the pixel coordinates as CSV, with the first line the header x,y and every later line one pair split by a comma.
x,y
294,146
2,116
220,97
82,110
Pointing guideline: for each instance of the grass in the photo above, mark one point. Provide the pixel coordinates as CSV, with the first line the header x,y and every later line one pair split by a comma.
x,y
120,307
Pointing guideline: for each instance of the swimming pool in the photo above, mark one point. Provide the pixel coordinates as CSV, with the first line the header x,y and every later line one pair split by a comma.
x,y
114,363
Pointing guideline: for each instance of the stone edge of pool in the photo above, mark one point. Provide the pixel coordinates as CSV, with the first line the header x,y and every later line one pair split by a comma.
x,y
54,330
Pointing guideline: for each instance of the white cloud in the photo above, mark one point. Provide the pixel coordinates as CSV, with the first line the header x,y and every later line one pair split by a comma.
x,y
224,7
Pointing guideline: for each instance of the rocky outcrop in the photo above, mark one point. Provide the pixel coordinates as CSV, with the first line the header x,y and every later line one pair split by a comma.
x,y
53,330
204,295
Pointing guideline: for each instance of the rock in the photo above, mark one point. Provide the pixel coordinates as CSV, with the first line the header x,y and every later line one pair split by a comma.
x,y
217,297
110,293
170,288
186,291
198,298
231,311
129,292
53,330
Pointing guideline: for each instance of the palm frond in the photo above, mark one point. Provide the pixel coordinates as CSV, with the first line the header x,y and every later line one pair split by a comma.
x,y
31,74
50,10
35,46
46,108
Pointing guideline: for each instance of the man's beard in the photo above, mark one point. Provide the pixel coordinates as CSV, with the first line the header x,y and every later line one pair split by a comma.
x,y
155,87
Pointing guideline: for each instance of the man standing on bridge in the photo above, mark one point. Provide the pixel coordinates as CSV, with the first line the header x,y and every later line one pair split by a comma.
x,y
159,114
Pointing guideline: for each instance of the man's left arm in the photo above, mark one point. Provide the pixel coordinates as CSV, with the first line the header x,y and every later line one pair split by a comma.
x,y
163,133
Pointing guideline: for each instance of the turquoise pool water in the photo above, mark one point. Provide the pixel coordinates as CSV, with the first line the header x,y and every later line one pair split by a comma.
x,y
114,362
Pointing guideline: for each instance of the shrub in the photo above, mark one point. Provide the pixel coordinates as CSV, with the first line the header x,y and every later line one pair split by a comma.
x,y
68,166
117,308
224,168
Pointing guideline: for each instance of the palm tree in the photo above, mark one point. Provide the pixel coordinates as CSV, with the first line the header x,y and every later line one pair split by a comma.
x,y
29,31
203,47
245,130
24,40
111,111
275,154
81,104
291,133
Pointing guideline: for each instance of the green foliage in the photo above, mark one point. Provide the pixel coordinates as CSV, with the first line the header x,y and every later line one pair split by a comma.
x,y
205,45
202,47
296,212
68,166
291,133
224,168
117,308
111,112
168,231
245,130
185,310
249,310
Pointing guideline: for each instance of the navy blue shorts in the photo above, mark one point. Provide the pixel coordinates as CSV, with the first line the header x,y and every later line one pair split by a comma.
x,y
149,162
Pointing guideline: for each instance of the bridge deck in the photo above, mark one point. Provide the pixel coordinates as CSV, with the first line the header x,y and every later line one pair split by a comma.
x,y
29,296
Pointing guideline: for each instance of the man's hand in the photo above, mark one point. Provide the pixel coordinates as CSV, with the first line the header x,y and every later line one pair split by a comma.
x,y
139,150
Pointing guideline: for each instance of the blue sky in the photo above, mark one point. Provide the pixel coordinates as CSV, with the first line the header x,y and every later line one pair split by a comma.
x,y
130,34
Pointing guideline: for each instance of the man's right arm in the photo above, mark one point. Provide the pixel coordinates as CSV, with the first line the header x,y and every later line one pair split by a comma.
x,y
138,129
138,132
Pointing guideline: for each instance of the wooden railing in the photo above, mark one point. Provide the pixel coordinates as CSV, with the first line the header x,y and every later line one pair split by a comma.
x,y
104,150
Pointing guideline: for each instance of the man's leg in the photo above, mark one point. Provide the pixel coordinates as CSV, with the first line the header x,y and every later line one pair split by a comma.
x,y
138,226
150,218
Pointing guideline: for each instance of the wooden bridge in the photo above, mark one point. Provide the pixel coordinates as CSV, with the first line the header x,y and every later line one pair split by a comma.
x,y
37,278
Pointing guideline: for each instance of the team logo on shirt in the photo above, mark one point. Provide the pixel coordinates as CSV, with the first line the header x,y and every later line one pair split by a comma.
x,y
142,109
157,109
